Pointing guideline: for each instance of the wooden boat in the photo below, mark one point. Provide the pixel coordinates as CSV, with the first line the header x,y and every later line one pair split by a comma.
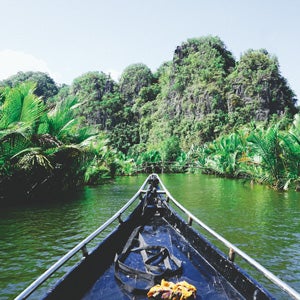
x,y
151,244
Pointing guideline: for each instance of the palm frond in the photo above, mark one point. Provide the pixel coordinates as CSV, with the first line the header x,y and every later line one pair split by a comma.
x,y
33,107
267,145
31,158
21,106
11,143
11,109
62,116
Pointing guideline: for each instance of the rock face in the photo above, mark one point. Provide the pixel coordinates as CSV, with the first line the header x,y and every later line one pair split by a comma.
x,y
203,90
197,78
205,79
97,94
133,79
257,84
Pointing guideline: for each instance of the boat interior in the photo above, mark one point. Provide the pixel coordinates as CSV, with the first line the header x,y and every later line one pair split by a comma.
x,y
201,264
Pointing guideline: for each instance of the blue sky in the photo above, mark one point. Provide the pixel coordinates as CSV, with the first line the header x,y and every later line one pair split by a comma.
x,y
68,38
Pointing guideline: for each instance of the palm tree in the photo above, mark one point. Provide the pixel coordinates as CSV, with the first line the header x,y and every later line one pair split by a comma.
x,y
21,110
61,119
267,153
291,153
20,115
225,154
31,154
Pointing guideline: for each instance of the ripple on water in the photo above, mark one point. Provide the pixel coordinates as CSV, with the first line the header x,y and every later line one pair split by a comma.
x,y
261,222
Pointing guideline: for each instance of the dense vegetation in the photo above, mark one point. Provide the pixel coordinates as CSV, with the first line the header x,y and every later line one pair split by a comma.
x,y
201,111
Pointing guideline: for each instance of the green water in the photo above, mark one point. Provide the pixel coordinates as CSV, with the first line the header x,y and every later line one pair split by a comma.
x,y
263,223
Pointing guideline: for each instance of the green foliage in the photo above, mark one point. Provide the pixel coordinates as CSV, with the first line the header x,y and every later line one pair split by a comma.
x,y
123,136
267,150
45,85
149,161
21,108
291,152
257,83
191,90
96,173
45,150
61,119
32,159
170,149
295,129
269,156
145,99
89,86
224,154
201,111
90,90
63,93
133,79
12,143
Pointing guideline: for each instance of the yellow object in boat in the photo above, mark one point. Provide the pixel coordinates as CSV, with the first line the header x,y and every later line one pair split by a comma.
x,y
172,291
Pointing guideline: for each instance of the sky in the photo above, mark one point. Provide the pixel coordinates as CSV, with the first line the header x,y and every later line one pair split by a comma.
x,y
67,38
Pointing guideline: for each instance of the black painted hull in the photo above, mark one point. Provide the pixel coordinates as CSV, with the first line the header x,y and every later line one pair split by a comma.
x,y
204,266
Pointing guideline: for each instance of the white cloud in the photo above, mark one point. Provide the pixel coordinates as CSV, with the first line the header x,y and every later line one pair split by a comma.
x,y
11,62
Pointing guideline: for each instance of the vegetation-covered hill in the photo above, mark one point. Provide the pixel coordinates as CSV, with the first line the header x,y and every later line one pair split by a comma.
x,y
45,85
204,92
204,109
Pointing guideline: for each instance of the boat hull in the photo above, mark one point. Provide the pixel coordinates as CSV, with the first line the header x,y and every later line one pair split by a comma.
x,y
204,266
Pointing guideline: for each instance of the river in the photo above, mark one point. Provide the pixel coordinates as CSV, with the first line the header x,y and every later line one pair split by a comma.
x,y
263,223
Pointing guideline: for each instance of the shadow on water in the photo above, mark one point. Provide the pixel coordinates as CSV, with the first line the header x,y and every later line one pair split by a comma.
x,y
263,223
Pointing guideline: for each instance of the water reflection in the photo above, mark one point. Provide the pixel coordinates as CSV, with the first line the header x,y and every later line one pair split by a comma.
x,y
263,223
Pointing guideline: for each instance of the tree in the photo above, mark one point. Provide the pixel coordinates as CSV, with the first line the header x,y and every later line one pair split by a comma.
x,y
22,109
32,152
291,153
268,154
257,83
224,154
99,98
133,79
61,122
191,89
45,85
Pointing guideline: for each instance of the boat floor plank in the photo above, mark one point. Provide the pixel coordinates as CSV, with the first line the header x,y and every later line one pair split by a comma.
x,y
196,270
